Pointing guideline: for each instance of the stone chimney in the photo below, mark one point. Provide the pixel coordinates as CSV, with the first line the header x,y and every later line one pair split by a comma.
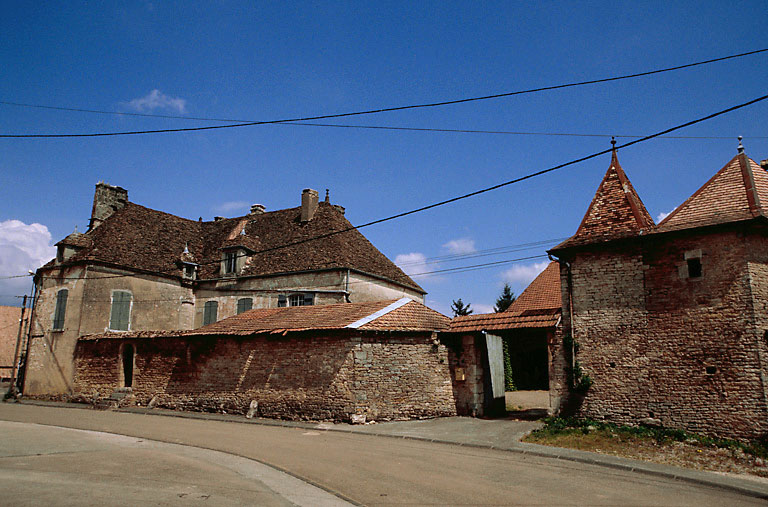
x,y
764,164
106,200
257,209
308,204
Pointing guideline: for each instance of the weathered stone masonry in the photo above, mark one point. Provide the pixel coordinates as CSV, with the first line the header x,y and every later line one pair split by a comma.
x,y
298,376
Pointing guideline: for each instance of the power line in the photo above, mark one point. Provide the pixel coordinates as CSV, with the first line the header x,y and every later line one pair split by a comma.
x,y
389,109
378,127
488,189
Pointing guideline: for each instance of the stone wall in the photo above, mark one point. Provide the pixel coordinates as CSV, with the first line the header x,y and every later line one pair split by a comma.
x,y
299,376
666,348
9,332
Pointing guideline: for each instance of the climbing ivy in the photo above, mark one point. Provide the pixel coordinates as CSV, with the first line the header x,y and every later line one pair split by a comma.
x,y
509,382
580,381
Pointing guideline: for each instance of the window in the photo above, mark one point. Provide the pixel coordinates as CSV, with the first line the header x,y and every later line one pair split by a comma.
x,y
120,317
694,268
244,304
189,271
230,262
210,312
61,309
296,300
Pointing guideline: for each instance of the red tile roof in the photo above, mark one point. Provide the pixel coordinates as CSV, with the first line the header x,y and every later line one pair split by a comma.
x,y
539,306
615,212
738,191
142,238
392,315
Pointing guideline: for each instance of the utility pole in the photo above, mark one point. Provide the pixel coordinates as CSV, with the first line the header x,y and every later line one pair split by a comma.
x,y
12,391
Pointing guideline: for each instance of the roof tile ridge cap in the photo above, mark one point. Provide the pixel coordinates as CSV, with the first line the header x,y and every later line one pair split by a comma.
x,y
696,193
129,204
753,199
635,203
380,313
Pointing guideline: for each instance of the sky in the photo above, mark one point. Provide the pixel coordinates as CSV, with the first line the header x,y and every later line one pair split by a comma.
x,y
259,61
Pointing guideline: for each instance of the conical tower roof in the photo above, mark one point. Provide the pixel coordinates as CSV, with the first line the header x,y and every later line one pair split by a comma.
x,y
616,211
738,191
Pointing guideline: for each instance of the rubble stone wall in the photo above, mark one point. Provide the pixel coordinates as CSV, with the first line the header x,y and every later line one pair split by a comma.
x,y
666,348
299,376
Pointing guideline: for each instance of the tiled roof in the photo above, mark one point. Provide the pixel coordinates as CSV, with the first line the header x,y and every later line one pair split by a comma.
x,y
615,212
738,191
391,315
539,306
76,239
146,239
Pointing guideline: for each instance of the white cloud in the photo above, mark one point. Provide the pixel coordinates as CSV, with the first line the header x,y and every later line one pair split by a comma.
x,y
413,263
461,246
158,100
22,248
230,206
663,215
523,274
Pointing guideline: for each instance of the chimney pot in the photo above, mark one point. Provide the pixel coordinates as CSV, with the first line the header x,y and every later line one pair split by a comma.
x,y
764,164
216,219
257,209
309,203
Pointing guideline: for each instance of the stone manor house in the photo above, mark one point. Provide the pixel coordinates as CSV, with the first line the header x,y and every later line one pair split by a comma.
x,y
138,269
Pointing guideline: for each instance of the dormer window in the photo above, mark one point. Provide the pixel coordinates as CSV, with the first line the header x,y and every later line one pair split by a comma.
x,y
230,262
189,271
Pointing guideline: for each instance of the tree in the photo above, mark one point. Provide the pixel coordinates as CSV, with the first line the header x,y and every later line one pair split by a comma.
x,y
459,308
507,298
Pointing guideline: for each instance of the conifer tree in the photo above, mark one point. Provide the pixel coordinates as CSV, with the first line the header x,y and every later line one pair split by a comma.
x,y
459,308
507,298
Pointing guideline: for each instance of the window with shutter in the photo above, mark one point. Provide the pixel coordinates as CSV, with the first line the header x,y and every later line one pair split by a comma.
x,y
120,316
210,312
281,301
244,304
61,309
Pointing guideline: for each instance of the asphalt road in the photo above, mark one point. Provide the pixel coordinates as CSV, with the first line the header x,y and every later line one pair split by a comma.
x,y
366,469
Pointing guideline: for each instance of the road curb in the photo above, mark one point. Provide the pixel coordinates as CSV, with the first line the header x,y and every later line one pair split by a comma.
x,y
699,478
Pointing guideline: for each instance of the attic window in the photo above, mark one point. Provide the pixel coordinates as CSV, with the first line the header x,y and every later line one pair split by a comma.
x,y
230,262
189,271
301,299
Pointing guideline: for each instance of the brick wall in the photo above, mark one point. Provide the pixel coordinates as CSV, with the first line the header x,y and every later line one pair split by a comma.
x,y
665,348
300,376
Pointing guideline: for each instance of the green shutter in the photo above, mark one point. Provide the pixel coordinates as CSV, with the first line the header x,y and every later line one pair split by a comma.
x,y
210,311
244,304
121,311
61,309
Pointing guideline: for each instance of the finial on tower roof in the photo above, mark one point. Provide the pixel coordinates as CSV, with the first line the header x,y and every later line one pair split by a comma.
x,y
327,195
76,229
613,143
186,248
741,146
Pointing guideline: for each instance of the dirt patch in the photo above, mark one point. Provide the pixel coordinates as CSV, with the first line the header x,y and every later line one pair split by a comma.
x,y
688,453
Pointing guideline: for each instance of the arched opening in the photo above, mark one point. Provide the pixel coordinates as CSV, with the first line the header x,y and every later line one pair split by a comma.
x,y
128,353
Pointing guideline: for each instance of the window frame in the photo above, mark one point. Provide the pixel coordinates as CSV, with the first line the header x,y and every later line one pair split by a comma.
x,y
125,302
60,311
302,298
241,305
230,262
207,310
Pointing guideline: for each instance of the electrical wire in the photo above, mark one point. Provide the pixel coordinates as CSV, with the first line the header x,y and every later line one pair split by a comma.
x,y
386,109
383,127
493,187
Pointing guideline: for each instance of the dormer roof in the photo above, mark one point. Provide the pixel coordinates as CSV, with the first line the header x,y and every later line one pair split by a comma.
x,y
615,212
738,191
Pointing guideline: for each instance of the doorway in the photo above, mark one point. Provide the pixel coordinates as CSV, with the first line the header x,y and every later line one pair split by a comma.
x,y
128,356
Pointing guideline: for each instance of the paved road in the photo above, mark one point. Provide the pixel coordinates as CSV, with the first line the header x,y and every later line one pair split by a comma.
x,y
376,470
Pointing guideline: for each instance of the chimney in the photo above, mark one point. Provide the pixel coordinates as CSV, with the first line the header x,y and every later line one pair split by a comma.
x,y
106,200
257,209
764,164
308,204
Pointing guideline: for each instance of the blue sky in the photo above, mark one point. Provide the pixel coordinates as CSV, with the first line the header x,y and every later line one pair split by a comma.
x,y
271,60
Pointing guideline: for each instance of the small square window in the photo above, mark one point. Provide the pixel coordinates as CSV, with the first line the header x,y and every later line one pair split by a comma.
x,y
694,268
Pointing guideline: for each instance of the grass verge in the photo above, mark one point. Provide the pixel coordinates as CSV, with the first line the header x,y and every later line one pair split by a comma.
x,y
660,445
